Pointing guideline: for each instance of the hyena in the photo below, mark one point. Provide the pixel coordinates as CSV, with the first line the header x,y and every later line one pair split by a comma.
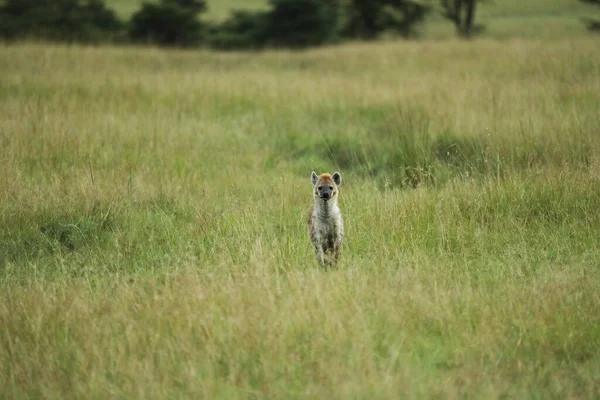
x,y
325,223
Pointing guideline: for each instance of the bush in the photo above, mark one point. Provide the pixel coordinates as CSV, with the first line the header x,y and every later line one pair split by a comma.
x,y
303,23
169,23
242,30
367,19
289,23
70,20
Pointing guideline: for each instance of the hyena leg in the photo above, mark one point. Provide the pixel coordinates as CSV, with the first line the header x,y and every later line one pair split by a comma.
x,y
328,257
320,255
337,251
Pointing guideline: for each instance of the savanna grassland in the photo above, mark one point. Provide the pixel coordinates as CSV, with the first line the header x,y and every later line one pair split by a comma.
x,y
152,221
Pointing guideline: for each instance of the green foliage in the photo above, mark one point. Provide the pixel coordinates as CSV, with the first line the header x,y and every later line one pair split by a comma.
x,y
298,24
302,23
462,14
289,23
367,19
64,20
168,23
242,30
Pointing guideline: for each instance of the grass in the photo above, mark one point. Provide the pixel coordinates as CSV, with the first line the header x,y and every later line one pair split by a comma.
x,y
152,234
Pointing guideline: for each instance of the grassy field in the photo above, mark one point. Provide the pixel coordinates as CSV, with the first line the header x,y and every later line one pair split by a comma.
x,y
152,223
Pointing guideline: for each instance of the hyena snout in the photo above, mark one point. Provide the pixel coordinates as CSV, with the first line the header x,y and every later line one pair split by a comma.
x,y
325,192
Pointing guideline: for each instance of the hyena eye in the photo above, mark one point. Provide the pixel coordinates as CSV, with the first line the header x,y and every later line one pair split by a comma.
x,y
320,187
330,187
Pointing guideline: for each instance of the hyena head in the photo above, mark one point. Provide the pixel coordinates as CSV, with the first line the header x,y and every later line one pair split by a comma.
x,y
326,186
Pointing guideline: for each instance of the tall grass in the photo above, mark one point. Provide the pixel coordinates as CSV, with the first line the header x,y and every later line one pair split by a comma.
x,y
152,224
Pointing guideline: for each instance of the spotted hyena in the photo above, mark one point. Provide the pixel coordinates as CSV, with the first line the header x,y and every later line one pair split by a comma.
x,y
325,223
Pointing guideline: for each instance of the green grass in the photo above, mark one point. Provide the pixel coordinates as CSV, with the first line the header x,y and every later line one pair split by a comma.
x,y
152,224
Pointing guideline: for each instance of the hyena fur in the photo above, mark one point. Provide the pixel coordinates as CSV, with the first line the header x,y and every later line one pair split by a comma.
x,y
325,222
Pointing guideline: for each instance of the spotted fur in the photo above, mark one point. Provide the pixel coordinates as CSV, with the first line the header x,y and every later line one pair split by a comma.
x,y
325,222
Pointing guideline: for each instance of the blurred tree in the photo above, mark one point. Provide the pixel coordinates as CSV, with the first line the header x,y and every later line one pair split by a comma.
x,y
592,24
242,30
71,20
302,23
288,23
168,23
367,19
462,13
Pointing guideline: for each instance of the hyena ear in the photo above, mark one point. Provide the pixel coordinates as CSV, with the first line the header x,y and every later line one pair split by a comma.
x,y
337,178
314,177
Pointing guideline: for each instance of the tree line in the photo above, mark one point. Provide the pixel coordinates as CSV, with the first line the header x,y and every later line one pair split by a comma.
x,y
286,23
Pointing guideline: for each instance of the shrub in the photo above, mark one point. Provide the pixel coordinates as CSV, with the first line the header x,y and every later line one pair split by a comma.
x,y
302,23
242,30
168,23
70,20
367,19
289,23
